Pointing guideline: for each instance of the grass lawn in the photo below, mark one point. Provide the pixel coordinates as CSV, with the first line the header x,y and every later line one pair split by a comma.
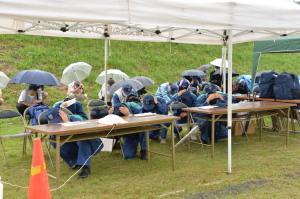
x,y
266,169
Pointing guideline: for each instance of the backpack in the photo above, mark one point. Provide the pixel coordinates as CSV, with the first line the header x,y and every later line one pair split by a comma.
x,y
266,84
287,86
35,112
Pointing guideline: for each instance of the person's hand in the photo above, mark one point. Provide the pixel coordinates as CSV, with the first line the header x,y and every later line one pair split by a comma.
x,y
155,100
125,111
214,96
181,92
182,115
111,110
242,80
64,105
36,101
63,116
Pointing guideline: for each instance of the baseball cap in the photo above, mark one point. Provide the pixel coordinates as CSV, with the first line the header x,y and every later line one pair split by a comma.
x,y
210,88
192,89
174,87
53,115
186,96
184,83
148,102
127,88
117,109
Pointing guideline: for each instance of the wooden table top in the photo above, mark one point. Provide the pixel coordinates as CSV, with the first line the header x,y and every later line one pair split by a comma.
x,y
242,107
245,96
133,121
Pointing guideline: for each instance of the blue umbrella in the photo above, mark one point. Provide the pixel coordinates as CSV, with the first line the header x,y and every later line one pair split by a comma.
x,y
37,77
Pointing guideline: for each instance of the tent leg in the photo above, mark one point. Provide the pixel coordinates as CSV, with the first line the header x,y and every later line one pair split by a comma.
x,y
229,113
105,65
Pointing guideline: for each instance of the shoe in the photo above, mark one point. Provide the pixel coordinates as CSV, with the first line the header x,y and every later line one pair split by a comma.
x,y
85,171
176,136
193,137
144,155
204,141
163,141
76,167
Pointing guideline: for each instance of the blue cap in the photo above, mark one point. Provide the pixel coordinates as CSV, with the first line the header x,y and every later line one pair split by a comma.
x,y
127,88
242,85
184,83
212,88
117,109
186,96
192,89
53,115
148,102
174,87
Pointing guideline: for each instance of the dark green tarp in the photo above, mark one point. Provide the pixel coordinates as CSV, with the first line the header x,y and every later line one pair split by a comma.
x,y
283,44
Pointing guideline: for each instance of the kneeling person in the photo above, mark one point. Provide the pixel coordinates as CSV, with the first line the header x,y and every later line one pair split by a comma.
x,y
75,154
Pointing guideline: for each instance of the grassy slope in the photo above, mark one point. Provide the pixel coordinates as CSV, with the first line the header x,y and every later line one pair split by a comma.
x,y
267,161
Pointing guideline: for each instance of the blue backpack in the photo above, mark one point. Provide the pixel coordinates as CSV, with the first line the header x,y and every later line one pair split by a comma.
x,y
266,84
35,112
287,86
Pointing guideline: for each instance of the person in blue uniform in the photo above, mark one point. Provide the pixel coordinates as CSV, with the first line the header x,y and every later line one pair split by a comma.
x,y
75,154
183,84
131,141
212,97
190,100
120,95
75,108
166,91
156,105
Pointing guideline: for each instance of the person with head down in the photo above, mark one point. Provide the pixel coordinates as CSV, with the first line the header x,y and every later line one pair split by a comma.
x,y
76,90
166,91
120,95
75,154
156,105
131,141
213,98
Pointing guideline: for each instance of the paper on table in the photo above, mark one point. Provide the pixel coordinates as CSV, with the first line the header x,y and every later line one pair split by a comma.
x,y
72,123
207,107
144,114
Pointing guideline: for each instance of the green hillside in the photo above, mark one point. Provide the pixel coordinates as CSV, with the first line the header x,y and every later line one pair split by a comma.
x,y
160,61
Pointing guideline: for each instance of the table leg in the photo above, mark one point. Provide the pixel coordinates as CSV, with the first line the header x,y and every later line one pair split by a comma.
x,y
58,160
260,126
189,127
287,124
147,144
172,145
212,136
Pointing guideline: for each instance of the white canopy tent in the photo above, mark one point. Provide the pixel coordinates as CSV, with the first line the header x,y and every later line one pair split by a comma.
x,y
219,22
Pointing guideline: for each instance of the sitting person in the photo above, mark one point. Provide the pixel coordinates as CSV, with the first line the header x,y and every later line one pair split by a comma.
x,y
76,90
75,154
131,141
1,99
120,95
75,108
242,85
183,84
101,93
29,97
156,105
212,98
166,91
190,100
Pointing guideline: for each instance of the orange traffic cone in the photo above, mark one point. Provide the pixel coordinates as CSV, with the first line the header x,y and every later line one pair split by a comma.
x,y
38,184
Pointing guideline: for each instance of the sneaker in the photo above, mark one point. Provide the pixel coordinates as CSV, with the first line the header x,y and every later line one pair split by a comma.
x,y
76,167
193,137
163,141
204,141
144,155
85,171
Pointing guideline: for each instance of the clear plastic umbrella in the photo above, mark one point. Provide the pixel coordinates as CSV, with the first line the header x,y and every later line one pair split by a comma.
x,y
218,62
115,74
3,80
76,72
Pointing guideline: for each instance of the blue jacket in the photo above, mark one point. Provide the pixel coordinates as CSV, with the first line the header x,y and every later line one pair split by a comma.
x,y
116,99
75,108
163,91
194,103
134,108
160,108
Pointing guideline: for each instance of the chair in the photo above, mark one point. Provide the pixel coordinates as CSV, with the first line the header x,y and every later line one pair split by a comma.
x,y
26,115
177,106
93,104
10,114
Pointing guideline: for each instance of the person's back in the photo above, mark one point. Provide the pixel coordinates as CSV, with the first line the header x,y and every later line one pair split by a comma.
x,y
166,91
75,108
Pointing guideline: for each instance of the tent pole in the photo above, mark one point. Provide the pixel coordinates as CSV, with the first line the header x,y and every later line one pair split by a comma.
x,y
105,66
223,68
229,109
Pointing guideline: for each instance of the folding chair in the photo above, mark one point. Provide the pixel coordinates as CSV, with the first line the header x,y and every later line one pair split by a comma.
x,y
95,103
177,106
26,115
7,115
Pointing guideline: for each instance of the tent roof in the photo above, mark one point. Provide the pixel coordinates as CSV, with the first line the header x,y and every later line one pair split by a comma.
x,y
188,21
284,44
